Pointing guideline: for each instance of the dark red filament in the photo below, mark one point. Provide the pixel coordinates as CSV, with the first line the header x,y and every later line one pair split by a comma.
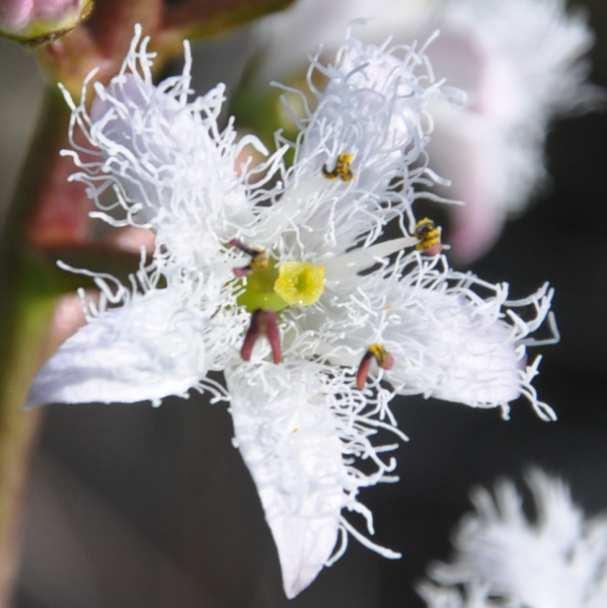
x,y
263,323
385,361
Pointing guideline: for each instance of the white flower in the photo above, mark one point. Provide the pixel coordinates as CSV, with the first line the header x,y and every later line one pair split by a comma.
x,y
521,64
506,559
257,273
519,61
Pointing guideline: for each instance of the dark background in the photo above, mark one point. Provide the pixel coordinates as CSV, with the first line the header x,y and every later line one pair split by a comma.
x,y
136,506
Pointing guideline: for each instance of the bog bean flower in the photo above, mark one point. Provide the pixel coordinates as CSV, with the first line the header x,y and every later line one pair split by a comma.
x,y
281,278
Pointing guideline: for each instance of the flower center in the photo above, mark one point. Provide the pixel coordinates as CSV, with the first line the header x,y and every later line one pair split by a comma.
x,y
274,287
271,287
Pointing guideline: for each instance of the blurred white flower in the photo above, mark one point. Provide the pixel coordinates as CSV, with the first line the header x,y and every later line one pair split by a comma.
x,y
520,62
310,23
556,559
256,273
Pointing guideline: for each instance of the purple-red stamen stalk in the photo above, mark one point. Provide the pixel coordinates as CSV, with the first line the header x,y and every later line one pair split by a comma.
x,y
263,323
384,359
242,271
256,254
238,244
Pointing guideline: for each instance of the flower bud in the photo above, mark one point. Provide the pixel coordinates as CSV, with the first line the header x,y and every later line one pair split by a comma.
x,y
40,21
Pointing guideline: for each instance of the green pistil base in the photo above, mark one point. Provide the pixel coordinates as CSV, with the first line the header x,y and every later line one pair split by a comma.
x,y
259,291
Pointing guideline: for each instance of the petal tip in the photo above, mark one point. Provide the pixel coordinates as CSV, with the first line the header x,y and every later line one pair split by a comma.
x,y
304,545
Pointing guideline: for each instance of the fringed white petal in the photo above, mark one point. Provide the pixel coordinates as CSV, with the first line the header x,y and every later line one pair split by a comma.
x,y
452,335
144,350
157,158
458,338
558,561
288,438
374,109
306,435
447,351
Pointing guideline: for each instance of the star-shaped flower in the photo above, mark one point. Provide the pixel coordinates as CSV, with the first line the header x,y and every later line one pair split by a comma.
x,y
278,278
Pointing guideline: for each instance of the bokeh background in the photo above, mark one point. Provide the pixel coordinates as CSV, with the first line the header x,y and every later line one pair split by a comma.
x,y
136,506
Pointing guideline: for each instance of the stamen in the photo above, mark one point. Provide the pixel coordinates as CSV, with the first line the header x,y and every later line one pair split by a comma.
x,y
259,258
263,323
384,359
343,168
238,244
429,235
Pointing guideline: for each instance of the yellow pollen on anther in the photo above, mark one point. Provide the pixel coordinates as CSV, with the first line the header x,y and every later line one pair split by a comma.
x,y
428,233
300,283
260,260
379,353
343,168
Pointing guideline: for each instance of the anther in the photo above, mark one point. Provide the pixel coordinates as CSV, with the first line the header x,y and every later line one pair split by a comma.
x,y
263,323
343,168
429,235
376,352
259,258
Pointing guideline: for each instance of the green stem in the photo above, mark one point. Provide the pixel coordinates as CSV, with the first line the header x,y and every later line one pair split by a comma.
x,y
26,307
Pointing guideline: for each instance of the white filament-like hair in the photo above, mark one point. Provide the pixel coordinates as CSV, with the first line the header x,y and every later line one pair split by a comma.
x,y
153,157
